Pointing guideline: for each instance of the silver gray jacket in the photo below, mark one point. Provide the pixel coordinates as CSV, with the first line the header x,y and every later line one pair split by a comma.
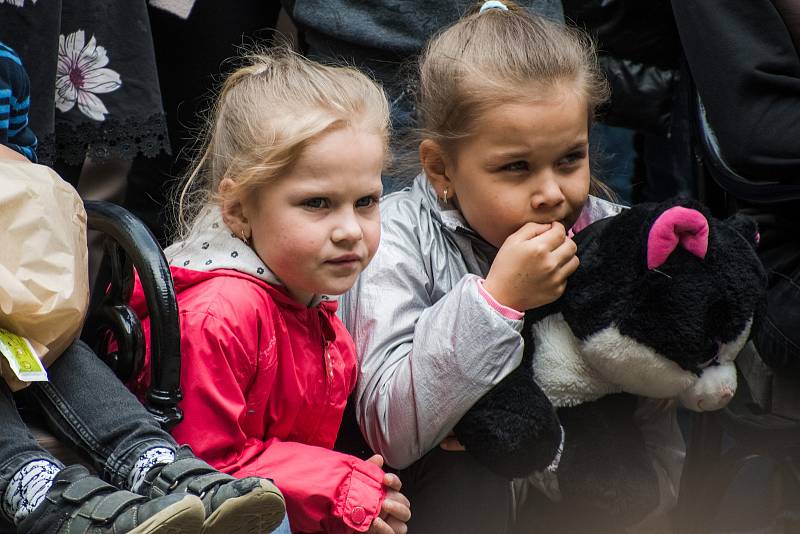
x,y
430,345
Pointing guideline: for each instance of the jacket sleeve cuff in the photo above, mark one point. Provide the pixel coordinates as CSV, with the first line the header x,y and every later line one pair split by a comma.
x,y
360,496
505,311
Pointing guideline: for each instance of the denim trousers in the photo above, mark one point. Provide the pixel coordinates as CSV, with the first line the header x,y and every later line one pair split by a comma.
x,y
87,406
284,527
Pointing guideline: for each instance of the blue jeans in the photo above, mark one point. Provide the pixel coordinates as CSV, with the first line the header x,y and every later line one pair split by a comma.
x,y
87,406
283,528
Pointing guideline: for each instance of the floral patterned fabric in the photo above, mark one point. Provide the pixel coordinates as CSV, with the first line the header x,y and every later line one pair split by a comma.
x,y
82,74
94,85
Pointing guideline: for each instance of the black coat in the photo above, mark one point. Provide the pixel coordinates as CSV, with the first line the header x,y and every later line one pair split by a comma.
x,y
639,52
747,72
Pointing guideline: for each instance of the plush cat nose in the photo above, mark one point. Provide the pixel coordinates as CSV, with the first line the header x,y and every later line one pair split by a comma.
x,y
677,226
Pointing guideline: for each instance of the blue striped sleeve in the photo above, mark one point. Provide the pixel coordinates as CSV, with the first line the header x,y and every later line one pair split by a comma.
x,y
15,102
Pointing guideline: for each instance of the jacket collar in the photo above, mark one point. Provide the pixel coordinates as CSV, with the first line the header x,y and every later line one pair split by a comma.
x,y
452,220
447,215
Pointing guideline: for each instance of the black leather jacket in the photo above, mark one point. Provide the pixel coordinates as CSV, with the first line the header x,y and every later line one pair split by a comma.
x,y
640,54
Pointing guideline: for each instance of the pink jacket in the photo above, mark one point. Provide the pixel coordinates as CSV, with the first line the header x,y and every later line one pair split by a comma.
x,y
265,382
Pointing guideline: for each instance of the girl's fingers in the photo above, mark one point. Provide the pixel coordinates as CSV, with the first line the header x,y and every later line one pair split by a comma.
x,y
379,526
392,481
8,153
571,266
565,252
398,497
397,510
397,526
451,443
528,231
376,459
552,238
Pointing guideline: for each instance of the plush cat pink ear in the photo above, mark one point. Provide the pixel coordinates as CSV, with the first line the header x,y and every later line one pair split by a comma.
x,y
677,225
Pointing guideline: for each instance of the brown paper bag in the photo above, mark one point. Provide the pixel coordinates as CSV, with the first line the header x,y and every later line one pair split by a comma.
x,y
44,283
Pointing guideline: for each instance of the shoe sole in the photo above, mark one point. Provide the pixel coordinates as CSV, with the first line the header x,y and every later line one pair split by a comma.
x,y
259,512
184,517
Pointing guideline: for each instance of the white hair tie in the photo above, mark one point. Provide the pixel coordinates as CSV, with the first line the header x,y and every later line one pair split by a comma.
x,y
493,4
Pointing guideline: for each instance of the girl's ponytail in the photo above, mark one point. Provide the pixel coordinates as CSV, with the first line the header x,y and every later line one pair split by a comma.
x,y
489,5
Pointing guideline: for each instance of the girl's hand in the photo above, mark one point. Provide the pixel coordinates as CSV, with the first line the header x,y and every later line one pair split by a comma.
x,y
532,266
395,510
7,153
451,443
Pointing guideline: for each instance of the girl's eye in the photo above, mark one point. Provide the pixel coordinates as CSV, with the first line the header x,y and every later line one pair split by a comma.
x,y
517,166
367,202
572,158
316,203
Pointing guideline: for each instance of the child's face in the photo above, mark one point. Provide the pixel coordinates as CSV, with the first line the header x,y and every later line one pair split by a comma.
x,y
318,227
527,162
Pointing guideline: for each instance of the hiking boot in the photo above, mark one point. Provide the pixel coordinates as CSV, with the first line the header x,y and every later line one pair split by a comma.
x,y
79,503
250,505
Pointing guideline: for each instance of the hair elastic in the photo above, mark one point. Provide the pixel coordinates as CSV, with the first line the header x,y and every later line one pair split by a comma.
x,y
493,4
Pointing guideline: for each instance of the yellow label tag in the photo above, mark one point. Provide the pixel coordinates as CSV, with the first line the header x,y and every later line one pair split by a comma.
x,y
21,357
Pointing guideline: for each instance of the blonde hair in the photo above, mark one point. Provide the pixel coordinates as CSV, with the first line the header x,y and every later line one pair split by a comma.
x,y
266,113
499,55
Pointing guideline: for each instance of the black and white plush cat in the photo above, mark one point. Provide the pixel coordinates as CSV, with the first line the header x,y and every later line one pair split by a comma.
x,y
660,306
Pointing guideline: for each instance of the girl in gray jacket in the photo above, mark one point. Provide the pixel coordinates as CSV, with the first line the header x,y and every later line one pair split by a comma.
x,y
504,105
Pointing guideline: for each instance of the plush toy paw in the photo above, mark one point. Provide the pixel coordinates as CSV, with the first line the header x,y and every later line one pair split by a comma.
x,y
605,472
512,438
713,390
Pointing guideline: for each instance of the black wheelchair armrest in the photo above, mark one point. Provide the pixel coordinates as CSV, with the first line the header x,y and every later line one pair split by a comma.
x,y
132,246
